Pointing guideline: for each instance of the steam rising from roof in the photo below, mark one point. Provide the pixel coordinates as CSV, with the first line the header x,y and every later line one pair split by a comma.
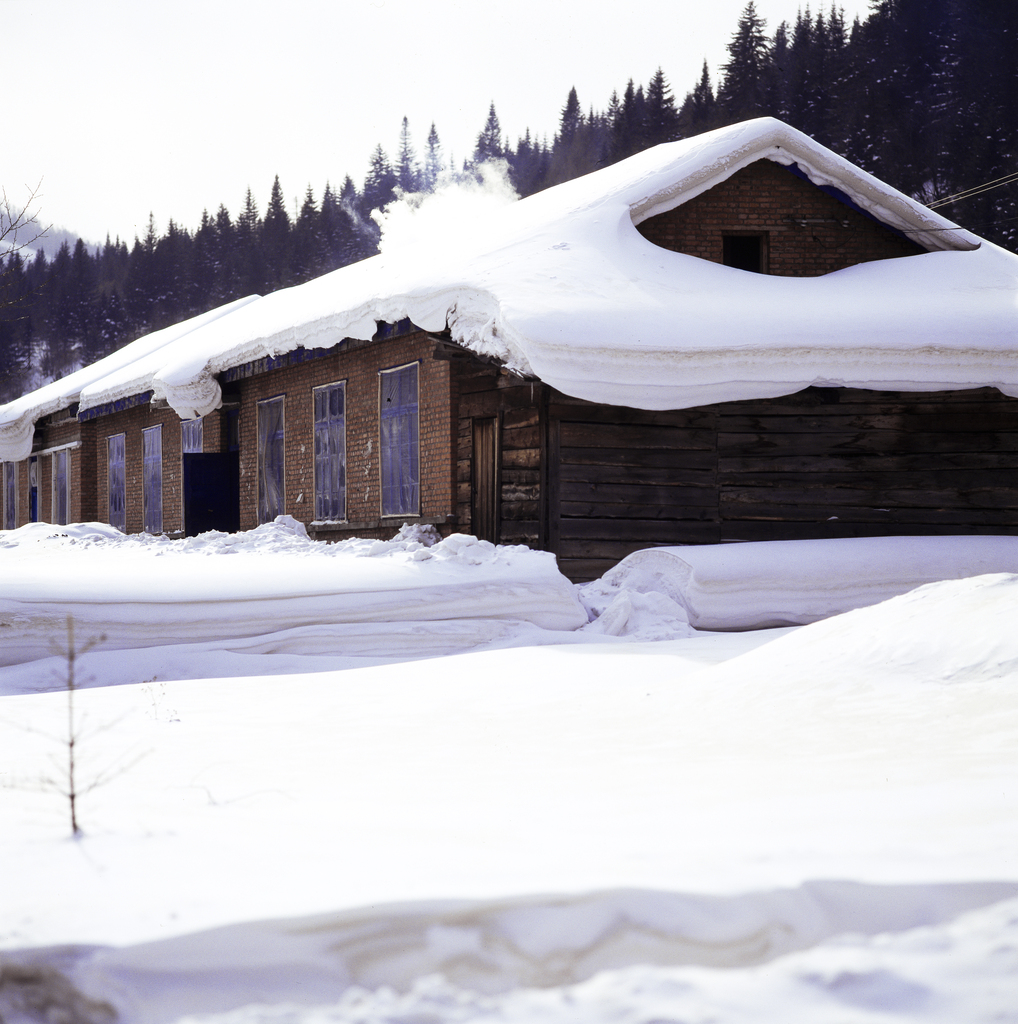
x,y
454,211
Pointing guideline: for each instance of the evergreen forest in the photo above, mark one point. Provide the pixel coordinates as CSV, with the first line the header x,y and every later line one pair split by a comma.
x,y
922,93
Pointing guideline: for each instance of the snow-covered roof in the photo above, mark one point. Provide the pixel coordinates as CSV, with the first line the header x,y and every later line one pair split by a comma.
x,y
561,285
136,364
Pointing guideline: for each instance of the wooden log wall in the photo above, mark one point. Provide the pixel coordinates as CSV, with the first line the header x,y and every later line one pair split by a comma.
x,y
593,483
850,463
628,479
518,407
827,462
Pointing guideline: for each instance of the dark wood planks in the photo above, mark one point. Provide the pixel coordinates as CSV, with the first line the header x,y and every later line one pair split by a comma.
x,y
842,459
594,483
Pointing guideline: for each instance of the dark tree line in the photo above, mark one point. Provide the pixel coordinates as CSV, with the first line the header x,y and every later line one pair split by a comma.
x,y
923,93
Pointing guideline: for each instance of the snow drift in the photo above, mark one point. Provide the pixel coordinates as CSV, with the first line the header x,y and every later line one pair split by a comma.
x,y
277,586
759,585
495,946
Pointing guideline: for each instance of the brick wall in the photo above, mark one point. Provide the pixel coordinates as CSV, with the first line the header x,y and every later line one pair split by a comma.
x,y
131,423
58,430
358,367
768,199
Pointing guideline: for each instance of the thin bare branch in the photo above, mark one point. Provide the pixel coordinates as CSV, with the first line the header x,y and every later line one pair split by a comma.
x,y
19,226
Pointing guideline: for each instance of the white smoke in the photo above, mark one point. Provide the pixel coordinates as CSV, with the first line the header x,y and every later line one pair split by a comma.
x,y
453,211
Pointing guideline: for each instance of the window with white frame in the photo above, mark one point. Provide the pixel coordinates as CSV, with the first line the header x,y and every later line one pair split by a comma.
x,y
152,478
10,495
191,436
270,459
116,482
330,452
398,436
61,474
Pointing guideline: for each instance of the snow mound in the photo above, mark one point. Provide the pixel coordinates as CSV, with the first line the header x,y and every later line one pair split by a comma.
x,y
452,957
764,584
963,970
361,597
633,614
954,631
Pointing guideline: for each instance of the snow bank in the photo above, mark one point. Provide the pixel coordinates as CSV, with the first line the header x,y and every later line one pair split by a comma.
x,y
955,631
782,583
961,970
361,597
480,948
877,746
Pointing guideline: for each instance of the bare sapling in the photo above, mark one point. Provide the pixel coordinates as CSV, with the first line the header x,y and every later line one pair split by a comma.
x,y
71,789
68,781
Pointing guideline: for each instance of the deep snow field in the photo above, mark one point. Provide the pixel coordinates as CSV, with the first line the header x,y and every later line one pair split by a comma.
x,y
411,782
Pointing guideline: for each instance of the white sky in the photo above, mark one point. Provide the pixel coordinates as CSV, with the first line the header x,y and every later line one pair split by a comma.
x,y
122,107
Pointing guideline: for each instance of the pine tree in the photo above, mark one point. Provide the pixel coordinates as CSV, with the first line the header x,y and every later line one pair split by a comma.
x,y
276,241
800,74
379,185
113,325
701,104
308,257
407,173
79,295
489,141
173,273
227,259
576,149
611,117
743,91
626,133
570,120
59,355
432,160
660,117
142,286
528,165
15,327
250,260
202,290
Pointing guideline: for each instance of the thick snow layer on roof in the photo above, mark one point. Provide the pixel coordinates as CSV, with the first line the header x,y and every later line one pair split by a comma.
x,y
134,364
562,285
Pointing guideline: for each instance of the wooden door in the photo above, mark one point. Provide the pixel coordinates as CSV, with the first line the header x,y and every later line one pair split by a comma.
x,y
484,472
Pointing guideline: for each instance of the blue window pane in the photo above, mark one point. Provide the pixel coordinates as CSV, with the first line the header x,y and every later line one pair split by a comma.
x,y
60,488
191,436
400,460
270,459
117,483
330,452
152,456
10,500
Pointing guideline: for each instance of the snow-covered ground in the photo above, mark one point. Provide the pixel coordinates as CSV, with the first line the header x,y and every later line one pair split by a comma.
x,y
454,801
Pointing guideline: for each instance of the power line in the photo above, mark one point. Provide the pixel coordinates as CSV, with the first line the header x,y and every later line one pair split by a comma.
x,y
975,191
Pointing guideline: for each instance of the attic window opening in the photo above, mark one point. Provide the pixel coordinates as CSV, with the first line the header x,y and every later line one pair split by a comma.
x,y
745,251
